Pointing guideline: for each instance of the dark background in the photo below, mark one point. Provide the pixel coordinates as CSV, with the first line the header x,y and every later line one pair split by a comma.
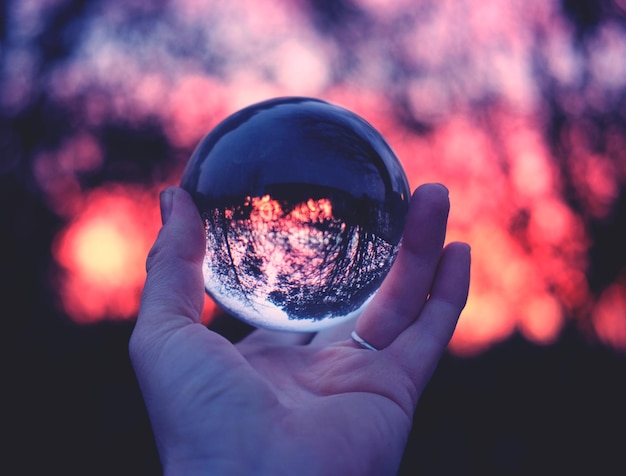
x,y
71,402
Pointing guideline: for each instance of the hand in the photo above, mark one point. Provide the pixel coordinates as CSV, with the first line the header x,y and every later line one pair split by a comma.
x,y
280,403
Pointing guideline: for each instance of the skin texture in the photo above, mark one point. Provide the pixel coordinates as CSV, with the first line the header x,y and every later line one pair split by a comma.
x,y
281,403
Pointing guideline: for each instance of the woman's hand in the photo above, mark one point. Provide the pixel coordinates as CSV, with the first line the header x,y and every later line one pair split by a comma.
x,y
280,403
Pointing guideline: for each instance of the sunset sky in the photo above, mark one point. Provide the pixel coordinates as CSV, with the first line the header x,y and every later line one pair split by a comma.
x,y
519,111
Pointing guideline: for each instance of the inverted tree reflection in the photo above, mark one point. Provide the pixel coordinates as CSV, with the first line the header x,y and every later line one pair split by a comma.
x,y
305,257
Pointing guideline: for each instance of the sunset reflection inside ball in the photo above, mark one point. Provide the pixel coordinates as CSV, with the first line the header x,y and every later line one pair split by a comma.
x,y
303,204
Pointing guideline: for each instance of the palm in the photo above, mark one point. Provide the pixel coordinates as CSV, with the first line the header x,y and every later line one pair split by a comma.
x,y
337,392
329,392
301,374
326,391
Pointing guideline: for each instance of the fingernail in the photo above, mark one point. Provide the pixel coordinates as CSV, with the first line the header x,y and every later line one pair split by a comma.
x,y
167,203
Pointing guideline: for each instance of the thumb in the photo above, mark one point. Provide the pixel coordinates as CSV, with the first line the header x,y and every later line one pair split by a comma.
x,y
173,293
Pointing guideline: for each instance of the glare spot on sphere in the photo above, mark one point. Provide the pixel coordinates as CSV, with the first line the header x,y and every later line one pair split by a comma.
x,y
303,204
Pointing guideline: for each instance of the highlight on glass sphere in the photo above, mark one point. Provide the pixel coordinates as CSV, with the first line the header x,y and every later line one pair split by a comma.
x,y
303,204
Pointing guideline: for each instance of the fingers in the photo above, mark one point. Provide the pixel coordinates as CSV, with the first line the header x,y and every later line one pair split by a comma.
x,y
421,345
402,295
173,294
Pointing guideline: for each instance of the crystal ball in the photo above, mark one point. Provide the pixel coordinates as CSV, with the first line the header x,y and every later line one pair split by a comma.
x,y
303,204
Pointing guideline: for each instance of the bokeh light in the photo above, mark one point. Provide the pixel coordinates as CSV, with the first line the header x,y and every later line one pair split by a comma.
x,y
518,107
103,252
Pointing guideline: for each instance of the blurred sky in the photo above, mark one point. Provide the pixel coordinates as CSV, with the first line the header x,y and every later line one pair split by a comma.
x,y
519,107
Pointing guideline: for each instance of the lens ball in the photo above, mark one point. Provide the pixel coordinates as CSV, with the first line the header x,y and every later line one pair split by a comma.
x,y
303,204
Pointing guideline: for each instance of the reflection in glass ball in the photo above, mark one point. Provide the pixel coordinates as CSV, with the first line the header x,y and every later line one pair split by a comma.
x,y
304,205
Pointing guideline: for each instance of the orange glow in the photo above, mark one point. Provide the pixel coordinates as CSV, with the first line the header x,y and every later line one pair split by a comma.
x,y
265,209
541,319
609,316
103,253
101,250
313,211
484,322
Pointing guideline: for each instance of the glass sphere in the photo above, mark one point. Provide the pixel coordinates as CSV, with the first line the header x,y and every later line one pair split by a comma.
x,y
303,204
